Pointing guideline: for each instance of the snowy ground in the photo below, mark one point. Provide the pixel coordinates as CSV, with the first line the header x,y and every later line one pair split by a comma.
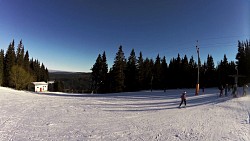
x,y
139,116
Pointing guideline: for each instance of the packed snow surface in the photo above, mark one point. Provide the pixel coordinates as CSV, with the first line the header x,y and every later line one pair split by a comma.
x,y
137,116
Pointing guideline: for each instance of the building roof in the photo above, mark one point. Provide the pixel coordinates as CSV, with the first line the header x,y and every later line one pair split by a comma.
x,y
51,82
39,83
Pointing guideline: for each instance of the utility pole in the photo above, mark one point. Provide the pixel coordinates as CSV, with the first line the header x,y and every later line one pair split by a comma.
x,y
198,74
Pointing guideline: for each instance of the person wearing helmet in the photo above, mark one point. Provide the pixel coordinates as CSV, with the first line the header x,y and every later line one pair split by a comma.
x,y
183,99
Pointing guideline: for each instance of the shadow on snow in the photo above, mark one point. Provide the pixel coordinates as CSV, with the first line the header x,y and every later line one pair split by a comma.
x,y
146,100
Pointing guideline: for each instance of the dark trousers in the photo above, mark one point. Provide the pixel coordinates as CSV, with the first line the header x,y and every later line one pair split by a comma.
x,y
183,100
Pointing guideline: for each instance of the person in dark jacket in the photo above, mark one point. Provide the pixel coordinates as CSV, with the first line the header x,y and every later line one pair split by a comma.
x,y
183,99
221,88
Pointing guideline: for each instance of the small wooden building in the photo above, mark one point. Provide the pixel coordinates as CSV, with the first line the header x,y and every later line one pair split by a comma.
x,y
40,86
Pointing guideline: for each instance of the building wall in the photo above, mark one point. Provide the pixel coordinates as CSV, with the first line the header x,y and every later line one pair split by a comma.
x,y
41,88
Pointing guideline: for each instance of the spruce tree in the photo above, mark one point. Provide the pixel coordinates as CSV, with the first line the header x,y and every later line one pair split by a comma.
x,y
118,71
140,69
148,73
178,71
46,74
1,67
20,54
58,86
192,72
171,71
164,73
223,71
37,70
157,73
43,75
241,59
131,73
15,64
211,72
96,74
247,49
26,62
104,74
184,73
9,62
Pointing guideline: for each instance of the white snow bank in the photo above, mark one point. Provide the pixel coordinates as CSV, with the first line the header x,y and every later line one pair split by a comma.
x,y
124,116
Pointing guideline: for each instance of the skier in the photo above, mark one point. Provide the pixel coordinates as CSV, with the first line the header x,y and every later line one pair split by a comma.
x,y
226,89
203,90
221,90
183,99
234,93
245,90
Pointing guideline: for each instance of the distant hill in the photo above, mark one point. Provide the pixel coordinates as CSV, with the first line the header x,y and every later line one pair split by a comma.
x,y
61,71
77,82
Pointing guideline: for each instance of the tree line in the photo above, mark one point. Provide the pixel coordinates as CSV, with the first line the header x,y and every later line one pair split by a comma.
x,y
17,70
139,73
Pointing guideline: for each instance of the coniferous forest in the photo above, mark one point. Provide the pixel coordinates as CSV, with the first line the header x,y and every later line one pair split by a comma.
x,y
133,73
17,70
141,73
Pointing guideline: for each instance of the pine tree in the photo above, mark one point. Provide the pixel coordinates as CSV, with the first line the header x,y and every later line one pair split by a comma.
x,y
223,71
171,71
178,71
20,54
43,75
46,74
131,73
104,74
140,69
14,64
26,63
192,72
1,67
185,72
58,86
241,59
157,73
164,73
35,69
247,49
9,62
148,73
118,71
31,66
96,74
211,80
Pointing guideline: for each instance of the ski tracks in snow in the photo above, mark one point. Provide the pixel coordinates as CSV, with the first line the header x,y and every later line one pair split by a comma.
x,y
138,117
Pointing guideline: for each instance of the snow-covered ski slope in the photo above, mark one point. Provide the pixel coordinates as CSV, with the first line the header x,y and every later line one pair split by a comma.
x,y
139,116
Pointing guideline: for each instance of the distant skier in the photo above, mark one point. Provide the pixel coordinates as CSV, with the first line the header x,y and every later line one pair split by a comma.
x,y
183,99
203,90
245,90
226,89
221,90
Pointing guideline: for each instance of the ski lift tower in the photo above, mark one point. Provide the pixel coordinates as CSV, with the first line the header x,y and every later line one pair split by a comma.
x,y
198,75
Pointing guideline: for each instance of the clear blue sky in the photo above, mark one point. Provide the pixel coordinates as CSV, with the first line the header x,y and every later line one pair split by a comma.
x,y
69,34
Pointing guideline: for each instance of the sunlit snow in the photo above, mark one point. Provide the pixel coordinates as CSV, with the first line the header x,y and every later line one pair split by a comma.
x,y
145,115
